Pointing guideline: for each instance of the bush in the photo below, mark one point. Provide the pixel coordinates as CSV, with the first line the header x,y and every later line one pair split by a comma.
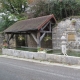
x,y
6,19
60,8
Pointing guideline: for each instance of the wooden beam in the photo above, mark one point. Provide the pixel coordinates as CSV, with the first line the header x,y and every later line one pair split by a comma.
x,y
8,40
42,36
26,44
45,31
34,38
50,26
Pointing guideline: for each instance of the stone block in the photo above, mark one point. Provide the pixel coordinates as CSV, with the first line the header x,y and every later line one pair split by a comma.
x,y
50,57
26,54
71,60
30,55
40,56
16,53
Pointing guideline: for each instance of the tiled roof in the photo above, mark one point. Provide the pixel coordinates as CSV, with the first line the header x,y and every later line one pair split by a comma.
x,y
30,24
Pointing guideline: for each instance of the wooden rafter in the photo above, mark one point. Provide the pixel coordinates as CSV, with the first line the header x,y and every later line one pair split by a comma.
x,y
42,29
45,26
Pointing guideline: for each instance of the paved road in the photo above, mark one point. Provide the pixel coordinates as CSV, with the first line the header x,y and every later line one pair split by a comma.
x,y
11,69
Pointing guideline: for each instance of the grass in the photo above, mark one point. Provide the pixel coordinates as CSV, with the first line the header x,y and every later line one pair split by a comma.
x,y
27,49
70,53
57,51
73,53
35,50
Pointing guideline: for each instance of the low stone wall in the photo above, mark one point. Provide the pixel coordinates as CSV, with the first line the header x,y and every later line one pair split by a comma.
x,y
42,56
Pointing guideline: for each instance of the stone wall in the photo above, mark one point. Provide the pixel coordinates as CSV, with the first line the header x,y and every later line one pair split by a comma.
x,y
1,40
42,56
61,28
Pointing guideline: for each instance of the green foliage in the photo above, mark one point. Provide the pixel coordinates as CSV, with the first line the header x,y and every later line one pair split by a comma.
x,y
5,21
73,53
73,22
40,49
13,10
47,38
26,49
40,9
9,19
14,6
60,8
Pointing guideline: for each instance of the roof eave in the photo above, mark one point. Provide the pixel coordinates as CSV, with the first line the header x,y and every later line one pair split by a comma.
x,y
52,16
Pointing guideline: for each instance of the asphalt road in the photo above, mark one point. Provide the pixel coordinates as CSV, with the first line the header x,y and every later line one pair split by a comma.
x,y
11,69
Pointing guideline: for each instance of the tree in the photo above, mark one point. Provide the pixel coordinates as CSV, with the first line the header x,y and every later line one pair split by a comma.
x,y
40,9
60,8
7,19
14,6
12,11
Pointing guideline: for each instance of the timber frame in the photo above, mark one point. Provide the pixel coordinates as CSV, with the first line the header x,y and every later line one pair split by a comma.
x,y
38,34
44,32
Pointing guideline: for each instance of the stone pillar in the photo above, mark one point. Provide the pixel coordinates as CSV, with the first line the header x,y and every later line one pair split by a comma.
x,y
63,45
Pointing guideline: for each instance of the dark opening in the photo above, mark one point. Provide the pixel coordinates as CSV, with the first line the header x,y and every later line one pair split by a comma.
x,y
20,40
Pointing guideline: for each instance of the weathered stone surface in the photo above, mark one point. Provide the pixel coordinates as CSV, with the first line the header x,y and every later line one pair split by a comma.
x,y
71,60
43,56
31,55
54,58
61,28
40,56
26,54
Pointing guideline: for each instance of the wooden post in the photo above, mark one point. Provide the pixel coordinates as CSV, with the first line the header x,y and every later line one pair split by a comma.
x,y
50,26
8,40
38,39
14,40
26,40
